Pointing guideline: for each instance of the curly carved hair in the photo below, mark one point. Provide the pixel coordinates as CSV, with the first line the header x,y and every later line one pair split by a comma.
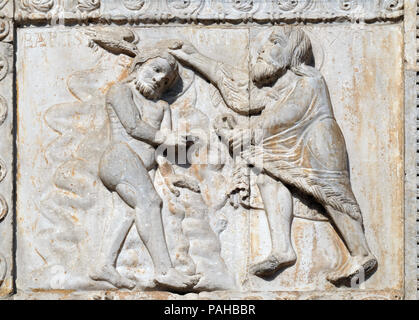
x,y
158,50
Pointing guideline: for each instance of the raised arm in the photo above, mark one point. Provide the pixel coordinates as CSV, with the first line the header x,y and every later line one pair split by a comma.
x,y
233,83
121,100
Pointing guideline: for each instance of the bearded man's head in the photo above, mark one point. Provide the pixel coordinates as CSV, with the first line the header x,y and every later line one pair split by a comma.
x,y
286,48
155,71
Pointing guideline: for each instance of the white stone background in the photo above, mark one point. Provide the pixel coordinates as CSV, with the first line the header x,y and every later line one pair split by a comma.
x,y
365,90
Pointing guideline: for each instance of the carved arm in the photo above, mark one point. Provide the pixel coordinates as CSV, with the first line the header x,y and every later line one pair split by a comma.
x,y
120,99
233,83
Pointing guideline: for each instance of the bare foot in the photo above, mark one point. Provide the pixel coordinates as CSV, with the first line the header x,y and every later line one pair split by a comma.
x,y
215,282
272,264
173,279
352,270
111,275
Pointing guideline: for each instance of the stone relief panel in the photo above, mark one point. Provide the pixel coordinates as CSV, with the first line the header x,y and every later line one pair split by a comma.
x,y
189,159
86,134
289,148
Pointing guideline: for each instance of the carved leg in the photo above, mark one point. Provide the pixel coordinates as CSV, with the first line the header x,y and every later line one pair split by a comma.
x,y
277,200
361,259
122,170
150,228
105,267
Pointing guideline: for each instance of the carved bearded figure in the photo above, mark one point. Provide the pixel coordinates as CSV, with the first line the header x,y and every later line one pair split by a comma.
x,y
140,122
294,142
138,167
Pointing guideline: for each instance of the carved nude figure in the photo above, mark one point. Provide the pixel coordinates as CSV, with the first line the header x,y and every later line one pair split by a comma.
x,y
140,122
294,142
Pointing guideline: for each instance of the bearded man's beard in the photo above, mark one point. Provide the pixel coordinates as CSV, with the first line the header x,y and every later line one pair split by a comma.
x,y
147,90
264,73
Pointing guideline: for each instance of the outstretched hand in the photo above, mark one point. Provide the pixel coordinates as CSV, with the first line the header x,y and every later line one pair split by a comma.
x,y
183,50
122,42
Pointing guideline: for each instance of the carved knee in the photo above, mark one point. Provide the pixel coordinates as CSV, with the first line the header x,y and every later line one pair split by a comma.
x,y
128,194
149,200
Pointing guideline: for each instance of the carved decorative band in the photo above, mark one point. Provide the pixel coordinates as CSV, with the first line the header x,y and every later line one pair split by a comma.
x,y
417,139
6,37
206,11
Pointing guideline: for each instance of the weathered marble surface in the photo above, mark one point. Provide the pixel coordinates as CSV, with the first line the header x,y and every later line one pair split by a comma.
x,y
64,210
99,84
205,11
6,168
6,149
411,89
106,68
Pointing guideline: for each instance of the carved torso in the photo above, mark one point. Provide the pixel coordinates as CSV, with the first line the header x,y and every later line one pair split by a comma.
x,y
289,101
150,112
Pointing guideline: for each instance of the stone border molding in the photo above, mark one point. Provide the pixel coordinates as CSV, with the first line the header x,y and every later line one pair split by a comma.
x,y
205,11
6,148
